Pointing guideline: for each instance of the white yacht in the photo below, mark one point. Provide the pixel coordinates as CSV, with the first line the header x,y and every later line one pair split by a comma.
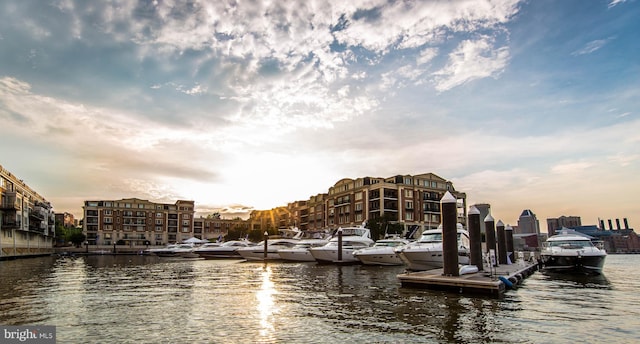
x,y
175,250
300,251
426,252
227,249
273,246
570,251
353,238
382,252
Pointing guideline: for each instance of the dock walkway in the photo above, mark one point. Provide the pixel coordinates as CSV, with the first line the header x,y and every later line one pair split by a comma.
x,y
483,282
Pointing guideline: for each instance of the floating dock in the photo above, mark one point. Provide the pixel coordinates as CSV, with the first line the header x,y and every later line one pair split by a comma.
x,y
492,282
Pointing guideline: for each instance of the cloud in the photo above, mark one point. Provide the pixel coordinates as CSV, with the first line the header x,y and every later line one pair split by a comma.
x,y
615,2
591,47
472,59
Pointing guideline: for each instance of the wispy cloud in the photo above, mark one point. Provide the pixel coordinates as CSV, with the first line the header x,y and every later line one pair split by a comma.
x,y
472,59
615,2
591,47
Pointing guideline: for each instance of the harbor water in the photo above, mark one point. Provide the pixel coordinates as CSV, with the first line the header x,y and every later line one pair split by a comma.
x,y
147,299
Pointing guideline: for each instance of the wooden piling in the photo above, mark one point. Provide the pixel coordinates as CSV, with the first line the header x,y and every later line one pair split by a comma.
x,y
449,213
489,225
502,243
339,244
475,236
266,240
509,243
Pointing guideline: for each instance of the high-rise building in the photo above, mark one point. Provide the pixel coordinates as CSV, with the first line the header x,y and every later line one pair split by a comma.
x,y
27,224
554,224
485,209
528,223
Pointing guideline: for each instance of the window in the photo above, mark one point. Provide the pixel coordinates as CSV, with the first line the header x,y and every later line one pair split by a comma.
x,y
140,206
408,193
185,222
409,205
158,214
108,220
158,228
358,206
407,181
408,216
127,205
185,229
185,216
159,221
108,212
434,185
358,196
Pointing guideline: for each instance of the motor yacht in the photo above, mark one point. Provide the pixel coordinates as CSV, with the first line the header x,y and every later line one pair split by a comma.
x,y
572,252
382,252
227,249
256,252
426,252
175,250
353,238
300,251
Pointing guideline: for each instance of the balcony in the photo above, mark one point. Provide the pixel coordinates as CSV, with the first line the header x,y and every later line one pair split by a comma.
x,y
9,201
37,213
11,224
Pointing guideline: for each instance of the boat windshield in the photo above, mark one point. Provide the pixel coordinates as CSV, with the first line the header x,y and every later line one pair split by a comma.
x,y
571,243
431,237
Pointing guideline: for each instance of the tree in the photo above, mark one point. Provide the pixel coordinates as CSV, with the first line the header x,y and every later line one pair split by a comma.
x,y
385,224
76,236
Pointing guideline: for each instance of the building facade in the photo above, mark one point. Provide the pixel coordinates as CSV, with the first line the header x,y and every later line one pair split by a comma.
x,y
135,222
413,201
27,224
554,224
528,223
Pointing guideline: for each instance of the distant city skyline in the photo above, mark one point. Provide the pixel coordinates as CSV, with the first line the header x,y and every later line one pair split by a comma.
x,y
236,106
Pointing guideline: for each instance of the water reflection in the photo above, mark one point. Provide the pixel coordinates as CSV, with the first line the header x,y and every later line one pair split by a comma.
x,y
125,299
266,305
578,280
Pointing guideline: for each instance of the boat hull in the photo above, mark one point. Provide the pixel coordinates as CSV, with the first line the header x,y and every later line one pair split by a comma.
x,y
258,254
219,254
330,255
422,260
573,263
378,257
296,255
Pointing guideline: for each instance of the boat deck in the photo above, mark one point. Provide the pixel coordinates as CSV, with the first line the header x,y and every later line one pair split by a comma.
x,y
484,282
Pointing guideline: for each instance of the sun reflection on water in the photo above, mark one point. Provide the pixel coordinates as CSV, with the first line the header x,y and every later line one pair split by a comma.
x,y
266,306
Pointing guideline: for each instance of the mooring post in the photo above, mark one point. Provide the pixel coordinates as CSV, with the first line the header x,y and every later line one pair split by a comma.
x,y
266,240
475,236
449,213
502,243
339,244
509,243
490,228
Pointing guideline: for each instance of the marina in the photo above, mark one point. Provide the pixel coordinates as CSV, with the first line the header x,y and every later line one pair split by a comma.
x,y
148,299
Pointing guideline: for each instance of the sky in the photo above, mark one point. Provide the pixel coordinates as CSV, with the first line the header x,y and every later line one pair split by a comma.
x,y
242,105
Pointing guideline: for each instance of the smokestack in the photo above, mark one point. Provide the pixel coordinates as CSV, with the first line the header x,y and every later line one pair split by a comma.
x,y
626,223
602,225
618,224
610,225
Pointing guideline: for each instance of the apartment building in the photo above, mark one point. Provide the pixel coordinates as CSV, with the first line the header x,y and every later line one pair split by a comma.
x,y
406,199
135,222
27,225
555,224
